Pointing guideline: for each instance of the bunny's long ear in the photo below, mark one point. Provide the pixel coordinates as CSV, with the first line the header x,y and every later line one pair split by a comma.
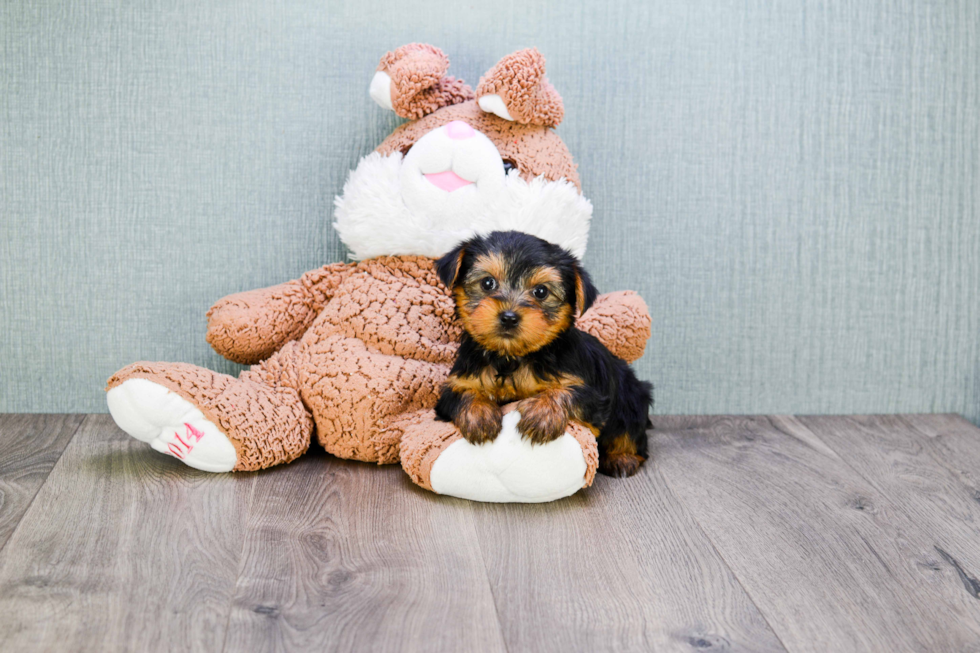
x,y
412,82
516,89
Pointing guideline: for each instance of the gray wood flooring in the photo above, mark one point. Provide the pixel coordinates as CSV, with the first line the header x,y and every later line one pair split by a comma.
x,y
741,534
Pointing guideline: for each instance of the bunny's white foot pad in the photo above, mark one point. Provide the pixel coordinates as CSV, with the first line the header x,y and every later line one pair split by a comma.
x,y
171,425
510,469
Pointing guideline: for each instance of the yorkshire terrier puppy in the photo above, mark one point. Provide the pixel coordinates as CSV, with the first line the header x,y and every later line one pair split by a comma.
x,y
516,296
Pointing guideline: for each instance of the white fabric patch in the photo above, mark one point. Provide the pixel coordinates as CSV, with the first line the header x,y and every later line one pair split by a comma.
x,y
380,90
495,104
373,219
474,159
171,425
510,469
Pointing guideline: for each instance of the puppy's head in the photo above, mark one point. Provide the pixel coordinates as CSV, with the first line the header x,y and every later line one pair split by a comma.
x,y
515,293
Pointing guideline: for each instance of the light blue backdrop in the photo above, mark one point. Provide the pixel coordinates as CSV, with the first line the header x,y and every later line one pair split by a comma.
x,y
794,186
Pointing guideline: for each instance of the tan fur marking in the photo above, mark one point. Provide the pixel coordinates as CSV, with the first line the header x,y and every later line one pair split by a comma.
x,y
622,445
579,293
544,416
533,333
520,385
536,331
493,264
481,321
620,458
544,276
479,419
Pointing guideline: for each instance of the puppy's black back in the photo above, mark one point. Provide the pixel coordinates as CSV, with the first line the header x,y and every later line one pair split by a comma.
x,y
613,399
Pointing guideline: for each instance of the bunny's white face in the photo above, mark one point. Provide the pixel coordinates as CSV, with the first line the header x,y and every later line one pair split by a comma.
x,y
447,190
451,172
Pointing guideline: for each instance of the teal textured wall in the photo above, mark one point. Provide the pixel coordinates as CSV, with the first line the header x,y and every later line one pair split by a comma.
x,y
794,186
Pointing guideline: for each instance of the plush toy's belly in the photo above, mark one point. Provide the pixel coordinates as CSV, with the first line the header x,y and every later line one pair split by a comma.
x,y
382,346
395,306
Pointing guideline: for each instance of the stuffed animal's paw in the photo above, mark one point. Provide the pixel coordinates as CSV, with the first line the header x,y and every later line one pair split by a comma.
x,y
509,469
171,425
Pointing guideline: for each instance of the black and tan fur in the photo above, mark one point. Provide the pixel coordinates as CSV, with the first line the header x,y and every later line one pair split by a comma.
x,y
517,296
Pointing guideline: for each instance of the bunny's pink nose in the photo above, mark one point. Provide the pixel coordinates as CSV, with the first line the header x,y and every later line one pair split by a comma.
x,y
459,130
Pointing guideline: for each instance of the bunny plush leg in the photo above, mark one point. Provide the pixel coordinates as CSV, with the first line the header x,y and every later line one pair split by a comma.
x,y
357,393
152,413
210,421
508,470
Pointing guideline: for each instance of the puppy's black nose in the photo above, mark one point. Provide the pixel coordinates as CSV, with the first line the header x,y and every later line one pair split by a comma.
x,y
509,319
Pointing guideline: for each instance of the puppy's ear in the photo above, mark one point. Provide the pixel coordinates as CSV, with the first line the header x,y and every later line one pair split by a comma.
x,y
449,266
585,292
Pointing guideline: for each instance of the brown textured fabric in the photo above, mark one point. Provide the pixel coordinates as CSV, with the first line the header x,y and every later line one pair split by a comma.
x,y
621,321
590,449
534,149
419,84
529,97
422,440
250,326
375,354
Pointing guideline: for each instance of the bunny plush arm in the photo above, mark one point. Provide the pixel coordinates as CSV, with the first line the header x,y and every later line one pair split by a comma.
x,y
250,326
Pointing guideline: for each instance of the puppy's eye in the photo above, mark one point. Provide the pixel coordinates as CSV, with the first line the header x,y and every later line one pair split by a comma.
x,y
488,284
509,165
539,292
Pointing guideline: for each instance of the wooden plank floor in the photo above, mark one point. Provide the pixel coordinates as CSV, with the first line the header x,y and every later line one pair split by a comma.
x,y
741,534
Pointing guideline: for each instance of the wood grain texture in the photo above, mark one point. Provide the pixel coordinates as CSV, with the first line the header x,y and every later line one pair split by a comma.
x,y
901,462
347,556
619,567
123,549
954,443
831,561
30,445
741,534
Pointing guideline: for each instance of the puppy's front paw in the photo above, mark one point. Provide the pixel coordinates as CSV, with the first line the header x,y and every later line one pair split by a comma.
x,y
542,419
479,422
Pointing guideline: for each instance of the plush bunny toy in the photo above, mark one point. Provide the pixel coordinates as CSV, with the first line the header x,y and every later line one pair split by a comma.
x,y
355,353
